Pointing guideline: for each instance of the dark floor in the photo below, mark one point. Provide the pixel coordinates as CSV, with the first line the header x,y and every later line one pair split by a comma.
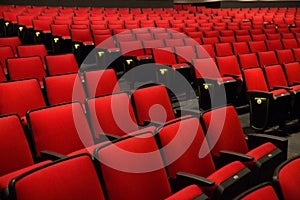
x,y
293,135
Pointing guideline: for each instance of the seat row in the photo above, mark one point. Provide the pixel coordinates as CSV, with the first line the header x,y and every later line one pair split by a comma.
x,y
64,129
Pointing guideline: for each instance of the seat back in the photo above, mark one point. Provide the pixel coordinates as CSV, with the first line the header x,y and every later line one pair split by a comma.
x,y
25,67
5,52
290,43
81,35
205,50
230,132
60,30
32,50
229,65
64,88
137,162
255,80
111,114
14,149
20,96
151,44
275,76
286,178
101,82
61,64
240,48
74,177
62,128
267,58
257,46
248,60
187,137
292,72
10,41
185,54
224,49
285,56
261,191
206,68
274,45
174,42
132,48
164,56
153,104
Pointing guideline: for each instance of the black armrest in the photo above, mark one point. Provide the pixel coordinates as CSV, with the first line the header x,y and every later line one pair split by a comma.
x,y
282,87
230,156
231,75
259,94
187,178
51,155
296,83
254,140
185,111
106,136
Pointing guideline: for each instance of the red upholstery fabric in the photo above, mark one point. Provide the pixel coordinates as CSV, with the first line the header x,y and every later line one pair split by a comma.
x,y
290,43
184,139
32,50
275,76
20,96
289,179
206,68
255,80
101,82
224,173
285,56
257,46
164,56
229,65
261,151
185,53
153,103
267,58
223,49
297,54
240,47
112,114
5,179
266,192
274,45
28,67
248,60
2,75
14,149
74,178
132,48
292,72
187,193
146,184
10,41
150,44
229,130
64,88
82,35
61,129
205,51
61,64
5,52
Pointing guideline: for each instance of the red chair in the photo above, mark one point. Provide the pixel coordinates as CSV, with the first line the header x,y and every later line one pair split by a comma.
x,y
267,58
15,150
261,191
248,60
285,56
257,46
25,67
224,49
32,50
80,182
240,48
186,159
286,179
260,157
150,184
29,96
274,45
10,41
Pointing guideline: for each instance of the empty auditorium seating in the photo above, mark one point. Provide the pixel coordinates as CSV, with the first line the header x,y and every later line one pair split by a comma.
x,y
10,41
5,52
32,50
261,191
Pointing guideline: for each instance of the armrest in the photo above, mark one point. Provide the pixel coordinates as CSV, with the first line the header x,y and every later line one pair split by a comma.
x,y
231,75
106,136
51,155
185,111
254,140
230,156
188,179
152,123
259,94
296,83
282,87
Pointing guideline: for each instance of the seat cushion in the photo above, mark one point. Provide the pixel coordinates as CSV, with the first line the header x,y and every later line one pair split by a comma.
x,y
186,193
